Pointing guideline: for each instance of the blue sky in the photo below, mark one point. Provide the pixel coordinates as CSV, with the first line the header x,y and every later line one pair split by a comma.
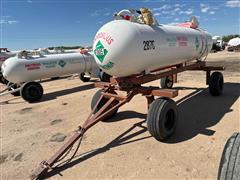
x,y
27,24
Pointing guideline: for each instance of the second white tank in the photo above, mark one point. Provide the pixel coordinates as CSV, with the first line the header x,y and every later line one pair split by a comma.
x,y
20,69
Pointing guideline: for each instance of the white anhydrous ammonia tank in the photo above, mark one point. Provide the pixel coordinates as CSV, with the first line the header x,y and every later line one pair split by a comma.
x,y
5,55
122,48
19,70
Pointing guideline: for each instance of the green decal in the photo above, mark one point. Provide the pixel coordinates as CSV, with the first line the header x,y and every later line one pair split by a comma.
x,y
197,43
108,65
100,51
50,64
171,41
62,63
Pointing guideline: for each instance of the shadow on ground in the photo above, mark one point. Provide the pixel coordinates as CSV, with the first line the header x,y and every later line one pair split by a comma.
x,y
125,115
55,94
54,79
12,101
197,112
122,139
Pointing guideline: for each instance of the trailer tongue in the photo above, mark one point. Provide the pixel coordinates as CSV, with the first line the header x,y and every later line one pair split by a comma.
x,y
108,101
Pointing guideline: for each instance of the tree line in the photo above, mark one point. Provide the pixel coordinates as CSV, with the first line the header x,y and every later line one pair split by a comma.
x,y
228,37
66,47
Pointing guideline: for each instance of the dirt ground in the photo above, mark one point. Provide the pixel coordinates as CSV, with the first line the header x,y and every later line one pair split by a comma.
x,y
122,148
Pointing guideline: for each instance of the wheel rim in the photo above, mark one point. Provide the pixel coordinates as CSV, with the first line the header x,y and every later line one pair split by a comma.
x,y
169,120
33,91
169,81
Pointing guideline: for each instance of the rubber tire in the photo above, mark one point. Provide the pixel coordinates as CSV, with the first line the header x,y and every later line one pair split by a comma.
x,y
216,84
104,77
157,118
83,78
229,168
94,101
4,81
37,90
14,87
1,79
165,82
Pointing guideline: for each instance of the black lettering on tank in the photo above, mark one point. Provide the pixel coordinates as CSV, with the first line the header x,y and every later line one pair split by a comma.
x,y
148,45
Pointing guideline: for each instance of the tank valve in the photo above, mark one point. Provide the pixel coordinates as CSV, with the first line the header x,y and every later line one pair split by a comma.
x,y
147,17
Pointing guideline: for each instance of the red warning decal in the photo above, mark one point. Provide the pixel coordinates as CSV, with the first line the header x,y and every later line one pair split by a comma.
x,y
105,36
182,41
33,66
